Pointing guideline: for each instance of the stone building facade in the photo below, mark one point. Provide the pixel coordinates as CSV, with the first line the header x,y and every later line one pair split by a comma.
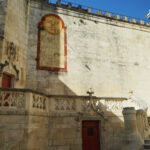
x,y
50,55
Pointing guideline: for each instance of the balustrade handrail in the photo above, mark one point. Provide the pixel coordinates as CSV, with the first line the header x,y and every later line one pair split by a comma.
x,y
36,102
52,95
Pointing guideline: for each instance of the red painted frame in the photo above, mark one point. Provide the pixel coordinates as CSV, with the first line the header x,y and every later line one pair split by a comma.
x,y
38,46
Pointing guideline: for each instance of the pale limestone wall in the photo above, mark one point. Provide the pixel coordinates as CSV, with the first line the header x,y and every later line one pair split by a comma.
x,y
2,15
3,4
34,120
65,134
19,131
22,132
38,132
108,55
13,131
15,31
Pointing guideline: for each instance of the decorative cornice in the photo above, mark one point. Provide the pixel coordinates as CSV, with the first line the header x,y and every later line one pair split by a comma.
x,y
96,12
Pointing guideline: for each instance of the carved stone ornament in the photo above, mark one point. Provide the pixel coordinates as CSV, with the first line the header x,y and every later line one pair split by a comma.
x,y
2,66
91,106
52,24
17,72
11,51
12,99
65,104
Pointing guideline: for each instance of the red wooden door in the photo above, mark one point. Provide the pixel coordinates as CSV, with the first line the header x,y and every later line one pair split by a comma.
x,y
90,135
6,81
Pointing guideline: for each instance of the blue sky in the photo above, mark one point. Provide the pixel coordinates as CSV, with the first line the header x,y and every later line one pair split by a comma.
x,y
133,8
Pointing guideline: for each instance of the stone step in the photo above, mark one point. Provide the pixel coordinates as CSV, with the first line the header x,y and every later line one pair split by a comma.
x,y
147,141
148,120
146,146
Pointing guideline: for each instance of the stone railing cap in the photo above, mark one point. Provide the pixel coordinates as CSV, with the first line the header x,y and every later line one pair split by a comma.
x,y
50,95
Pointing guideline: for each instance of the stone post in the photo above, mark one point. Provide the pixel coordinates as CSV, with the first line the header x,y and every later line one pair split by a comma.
x,y
140,122
131,139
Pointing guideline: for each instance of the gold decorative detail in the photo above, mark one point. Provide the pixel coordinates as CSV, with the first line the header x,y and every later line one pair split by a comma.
x,y
52,24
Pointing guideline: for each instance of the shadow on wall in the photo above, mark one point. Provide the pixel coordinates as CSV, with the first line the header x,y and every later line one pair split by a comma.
x,y
36,120
51,62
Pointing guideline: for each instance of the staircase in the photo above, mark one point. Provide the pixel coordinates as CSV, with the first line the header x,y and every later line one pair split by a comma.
x,y
147,141
147,144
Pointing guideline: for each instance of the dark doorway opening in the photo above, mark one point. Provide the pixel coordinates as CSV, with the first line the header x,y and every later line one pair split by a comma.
x,y
7,81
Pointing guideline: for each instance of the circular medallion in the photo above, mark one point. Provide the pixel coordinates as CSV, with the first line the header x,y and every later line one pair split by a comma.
x,y
52,24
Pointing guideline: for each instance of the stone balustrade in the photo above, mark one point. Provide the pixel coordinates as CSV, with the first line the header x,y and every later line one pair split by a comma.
x,y
23,100
142,123
11,99
34,102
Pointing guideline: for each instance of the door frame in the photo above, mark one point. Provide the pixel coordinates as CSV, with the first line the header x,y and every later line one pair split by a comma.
x,y
102,129
12,79
99,132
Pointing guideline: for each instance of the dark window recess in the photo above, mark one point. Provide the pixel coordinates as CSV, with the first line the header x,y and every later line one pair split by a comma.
x,y
90,131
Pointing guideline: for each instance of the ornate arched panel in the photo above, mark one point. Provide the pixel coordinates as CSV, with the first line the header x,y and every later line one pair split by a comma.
x,y
52,44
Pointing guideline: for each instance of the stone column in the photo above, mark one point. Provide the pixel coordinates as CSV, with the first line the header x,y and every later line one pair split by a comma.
x,y
131,139
140,122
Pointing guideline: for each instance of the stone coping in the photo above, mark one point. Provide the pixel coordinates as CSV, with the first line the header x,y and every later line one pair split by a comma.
x,y
69,96
97,12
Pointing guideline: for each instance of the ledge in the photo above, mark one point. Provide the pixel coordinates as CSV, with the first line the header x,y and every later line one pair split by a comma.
x,y
96,12
51,95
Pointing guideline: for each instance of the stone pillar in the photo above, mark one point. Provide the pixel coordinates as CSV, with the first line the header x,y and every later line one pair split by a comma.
x,y
141,122
131,139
